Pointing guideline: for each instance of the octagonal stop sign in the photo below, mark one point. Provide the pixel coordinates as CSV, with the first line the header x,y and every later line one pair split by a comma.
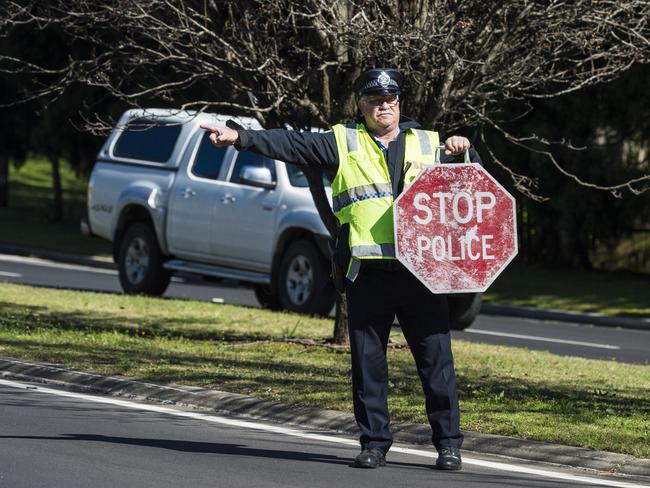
x,y
455,228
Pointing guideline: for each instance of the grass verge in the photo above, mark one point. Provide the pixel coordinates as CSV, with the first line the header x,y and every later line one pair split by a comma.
x,y
27,221
604,292
504,390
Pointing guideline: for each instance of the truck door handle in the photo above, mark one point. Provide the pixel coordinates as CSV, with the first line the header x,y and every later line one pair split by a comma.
x,y
187,193
228,198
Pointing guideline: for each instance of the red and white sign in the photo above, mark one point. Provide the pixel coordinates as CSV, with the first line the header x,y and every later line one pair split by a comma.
x,y
455,228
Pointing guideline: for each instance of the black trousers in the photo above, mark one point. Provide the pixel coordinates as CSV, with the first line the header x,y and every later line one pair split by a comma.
x,y
374,299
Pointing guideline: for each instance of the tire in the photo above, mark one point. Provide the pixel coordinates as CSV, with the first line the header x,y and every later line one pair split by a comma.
x,y
140,262
463,310
266,297
303,281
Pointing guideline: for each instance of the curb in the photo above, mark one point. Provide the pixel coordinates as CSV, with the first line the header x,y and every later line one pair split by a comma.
x,y
564,316
61,257
313,417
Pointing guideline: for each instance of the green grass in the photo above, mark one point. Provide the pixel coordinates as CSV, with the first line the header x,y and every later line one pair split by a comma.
x,y
503,390
609,293
27,220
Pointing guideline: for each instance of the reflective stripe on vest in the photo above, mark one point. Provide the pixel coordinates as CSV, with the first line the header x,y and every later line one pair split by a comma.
x,y
351,137
374,250
353,195
425,143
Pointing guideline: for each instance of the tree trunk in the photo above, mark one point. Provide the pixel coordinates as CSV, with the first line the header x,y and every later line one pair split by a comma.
x,y
57,200
4,180
317,189
340,335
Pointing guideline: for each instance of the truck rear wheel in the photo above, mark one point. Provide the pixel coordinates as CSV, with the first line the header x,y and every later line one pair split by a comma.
x,y
140,262
304,285
463,309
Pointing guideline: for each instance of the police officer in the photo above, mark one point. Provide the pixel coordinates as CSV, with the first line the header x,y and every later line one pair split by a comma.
x,y
373,159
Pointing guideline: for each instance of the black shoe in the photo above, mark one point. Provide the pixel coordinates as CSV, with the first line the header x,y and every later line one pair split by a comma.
x,y
370,458
449,459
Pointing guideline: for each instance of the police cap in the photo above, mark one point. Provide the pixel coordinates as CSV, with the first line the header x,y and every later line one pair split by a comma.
x,y
379,81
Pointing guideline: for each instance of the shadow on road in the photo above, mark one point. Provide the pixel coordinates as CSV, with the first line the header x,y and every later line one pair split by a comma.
x,y
194,447
460,478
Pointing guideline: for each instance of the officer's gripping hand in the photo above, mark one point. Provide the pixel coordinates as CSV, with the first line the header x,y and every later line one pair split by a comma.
x,y
420,164
221,136
456,145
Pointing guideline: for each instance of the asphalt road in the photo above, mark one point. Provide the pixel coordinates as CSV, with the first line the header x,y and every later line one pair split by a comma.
x,y
49,440
625,345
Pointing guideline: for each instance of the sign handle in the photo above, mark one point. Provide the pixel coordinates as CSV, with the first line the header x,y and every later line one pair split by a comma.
x,y
466,155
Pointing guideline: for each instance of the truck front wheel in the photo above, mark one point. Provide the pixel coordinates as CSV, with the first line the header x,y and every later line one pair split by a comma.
x,y
266,297
463,309
304,285
140,262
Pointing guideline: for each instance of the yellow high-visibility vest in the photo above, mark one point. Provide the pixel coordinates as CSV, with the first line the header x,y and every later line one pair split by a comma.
x,y
362,190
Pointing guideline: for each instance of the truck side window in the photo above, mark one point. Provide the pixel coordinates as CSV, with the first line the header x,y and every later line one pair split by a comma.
x,y
297,177
147,140
247,158
208,160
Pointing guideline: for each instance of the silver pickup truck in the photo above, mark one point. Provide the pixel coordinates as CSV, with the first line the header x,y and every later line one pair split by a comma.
x,y
172,202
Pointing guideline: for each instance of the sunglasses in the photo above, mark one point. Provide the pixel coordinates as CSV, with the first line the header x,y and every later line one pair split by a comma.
x,y
390,100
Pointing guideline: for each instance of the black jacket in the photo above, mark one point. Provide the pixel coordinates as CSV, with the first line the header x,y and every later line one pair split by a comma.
x,y
318,149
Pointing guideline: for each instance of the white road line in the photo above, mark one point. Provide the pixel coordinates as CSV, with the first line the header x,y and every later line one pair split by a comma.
x,y
53,264
10,275
513,468
538,338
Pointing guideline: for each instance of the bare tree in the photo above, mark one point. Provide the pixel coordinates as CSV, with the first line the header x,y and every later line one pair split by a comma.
x,y
287,60
283,59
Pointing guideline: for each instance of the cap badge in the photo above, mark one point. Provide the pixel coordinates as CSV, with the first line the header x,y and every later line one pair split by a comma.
x,y
383,79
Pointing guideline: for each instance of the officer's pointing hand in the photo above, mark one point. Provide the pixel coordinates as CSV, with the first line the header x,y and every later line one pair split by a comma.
x,y
221,136
456,145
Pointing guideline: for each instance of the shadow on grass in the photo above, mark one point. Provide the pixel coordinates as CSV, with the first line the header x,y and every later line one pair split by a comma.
x,y
519,395
30,196
264,366
25,317
30,205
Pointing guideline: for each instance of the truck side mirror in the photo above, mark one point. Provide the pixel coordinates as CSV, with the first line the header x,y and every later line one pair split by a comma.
x,y
256,176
